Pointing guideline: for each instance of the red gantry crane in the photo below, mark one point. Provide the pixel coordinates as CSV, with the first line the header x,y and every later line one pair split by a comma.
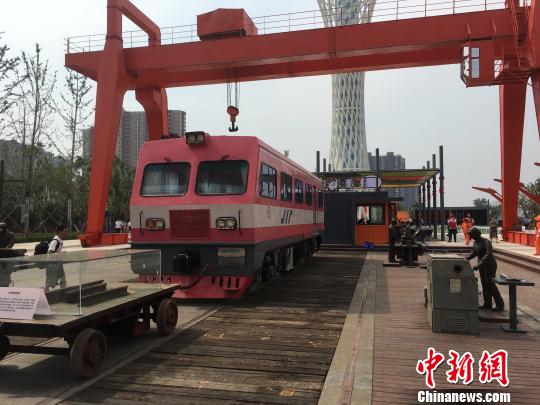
x,y
496,44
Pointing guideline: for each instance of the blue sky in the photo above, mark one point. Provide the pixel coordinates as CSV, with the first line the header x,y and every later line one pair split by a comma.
x,y
408,111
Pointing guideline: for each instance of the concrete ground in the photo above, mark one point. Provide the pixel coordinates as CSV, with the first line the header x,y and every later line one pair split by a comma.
x,y
69,246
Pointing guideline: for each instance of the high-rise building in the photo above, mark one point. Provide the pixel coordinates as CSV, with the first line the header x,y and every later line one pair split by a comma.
x,y
133,132
391,161
348,148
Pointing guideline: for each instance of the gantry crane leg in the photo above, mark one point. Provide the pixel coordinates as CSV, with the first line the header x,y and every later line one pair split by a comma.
x,y
512,116
112,84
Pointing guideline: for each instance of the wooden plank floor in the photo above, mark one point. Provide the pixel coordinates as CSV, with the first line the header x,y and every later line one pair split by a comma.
x,y
402,336
274,346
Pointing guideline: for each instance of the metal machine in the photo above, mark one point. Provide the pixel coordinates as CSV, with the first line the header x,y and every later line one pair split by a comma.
x,y
409,249
451,295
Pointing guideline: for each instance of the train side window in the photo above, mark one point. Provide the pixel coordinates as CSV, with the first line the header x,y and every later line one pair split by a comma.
x,y
268,181
370,214
320,199
165,179
286,187
298,191
309,194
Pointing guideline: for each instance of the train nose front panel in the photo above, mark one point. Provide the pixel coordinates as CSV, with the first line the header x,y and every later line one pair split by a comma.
x,y
190,224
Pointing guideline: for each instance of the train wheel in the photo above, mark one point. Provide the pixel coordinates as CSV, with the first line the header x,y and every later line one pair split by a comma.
x,y
166,317
4,346
88,352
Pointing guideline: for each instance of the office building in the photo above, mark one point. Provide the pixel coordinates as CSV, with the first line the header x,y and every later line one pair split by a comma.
x,y
391,161
133,132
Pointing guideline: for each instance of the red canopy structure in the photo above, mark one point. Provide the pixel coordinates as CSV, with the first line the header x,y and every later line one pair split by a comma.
x,y
497,44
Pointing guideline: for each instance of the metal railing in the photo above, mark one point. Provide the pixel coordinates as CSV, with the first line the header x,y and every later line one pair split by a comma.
x,y
386,10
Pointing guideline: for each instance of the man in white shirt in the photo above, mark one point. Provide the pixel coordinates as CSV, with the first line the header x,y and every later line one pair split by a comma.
x,y
118,226
55,274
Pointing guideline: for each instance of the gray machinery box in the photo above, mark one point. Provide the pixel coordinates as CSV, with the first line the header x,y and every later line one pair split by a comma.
x,y
452,295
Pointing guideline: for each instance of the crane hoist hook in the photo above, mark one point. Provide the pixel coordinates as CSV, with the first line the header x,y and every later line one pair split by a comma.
x,y
233,112
232,108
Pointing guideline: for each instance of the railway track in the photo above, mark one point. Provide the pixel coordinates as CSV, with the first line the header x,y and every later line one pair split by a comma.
x,y
274,346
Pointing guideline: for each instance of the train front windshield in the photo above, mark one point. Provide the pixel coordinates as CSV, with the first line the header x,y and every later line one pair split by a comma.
x,y
222,177
161,179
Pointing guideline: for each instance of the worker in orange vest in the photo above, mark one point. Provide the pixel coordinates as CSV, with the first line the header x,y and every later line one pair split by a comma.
x,y
466,226
537,243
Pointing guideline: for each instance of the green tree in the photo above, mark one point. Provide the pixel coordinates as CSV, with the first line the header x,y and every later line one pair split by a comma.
x,y
122,179
8,81
32,116
494,208
74,110
527,207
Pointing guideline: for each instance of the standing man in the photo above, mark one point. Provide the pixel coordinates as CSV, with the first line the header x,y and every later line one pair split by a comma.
x,y
393,236
493,230
118,226
487,266
452,227
55,274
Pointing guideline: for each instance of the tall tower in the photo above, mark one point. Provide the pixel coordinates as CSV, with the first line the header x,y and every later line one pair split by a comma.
x,y
348,148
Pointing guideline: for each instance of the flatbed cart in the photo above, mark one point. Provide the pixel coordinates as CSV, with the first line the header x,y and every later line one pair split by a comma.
x,y
124,306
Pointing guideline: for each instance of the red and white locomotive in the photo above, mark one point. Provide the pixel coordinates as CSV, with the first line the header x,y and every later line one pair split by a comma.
x,y
225,211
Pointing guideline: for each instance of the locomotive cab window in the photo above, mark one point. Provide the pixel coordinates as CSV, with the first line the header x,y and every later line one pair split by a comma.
x,y
309,194
298,191
222,177
370,215
268,181
165,179
286,187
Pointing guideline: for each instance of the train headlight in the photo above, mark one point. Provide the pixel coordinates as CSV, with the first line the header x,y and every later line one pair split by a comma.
x,y
226,223
155,224
195,138
220,223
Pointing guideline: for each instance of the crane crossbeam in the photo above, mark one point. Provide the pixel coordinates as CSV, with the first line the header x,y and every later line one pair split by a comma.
x,y
374,46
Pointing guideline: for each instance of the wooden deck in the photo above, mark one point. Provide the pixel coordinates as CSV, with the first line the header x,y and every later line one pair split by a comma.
x,y
402,337
274,346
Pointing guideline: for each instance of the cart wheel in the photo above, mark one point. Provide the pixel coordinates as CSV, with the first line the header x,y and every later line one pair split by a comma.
x,y
166,317
4,346
88,352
